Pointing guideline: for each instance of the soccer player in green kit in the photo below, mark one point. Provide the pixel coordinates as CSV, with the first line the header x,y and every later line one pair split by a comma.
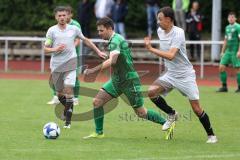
x,y
230,52
71,21
124,80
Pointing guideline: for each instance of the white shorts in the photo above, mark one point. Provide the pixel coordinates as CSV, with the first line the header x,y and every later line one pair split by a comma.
x,y
62,79
186,85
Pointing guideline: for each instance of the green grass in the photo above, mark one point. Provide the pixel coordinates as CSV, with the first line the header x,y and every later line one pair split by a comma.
x,y
24,112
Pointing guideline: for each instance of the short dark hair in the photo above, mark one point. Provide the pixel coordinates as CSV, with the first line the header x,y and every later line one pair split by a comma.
x,y
167,12
106,22
59,9
68,9
232,13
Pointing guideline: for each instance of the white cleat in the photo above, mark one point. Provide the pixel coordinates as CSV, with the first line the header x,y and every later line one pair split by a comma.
x,y
212,139
75,101
170,120
67,126
54,101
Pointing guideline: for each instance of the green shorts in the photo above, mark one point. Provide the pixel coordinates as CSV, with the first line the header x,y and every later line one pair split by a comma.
x,y
230,58
130,88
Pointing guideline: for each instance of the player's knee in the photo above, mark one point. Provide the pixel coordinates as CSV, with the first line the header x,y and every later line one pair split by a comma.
x,y
152,93
141,113
221,68
97,102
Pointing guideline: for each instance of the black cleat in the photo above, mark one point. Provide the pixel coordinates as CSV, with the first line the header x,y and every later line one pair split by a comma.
x,y
238,90
222,89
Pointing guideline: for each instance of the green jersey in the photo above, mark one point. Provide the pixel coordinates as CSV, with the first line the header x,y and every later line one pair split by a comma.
x,y
232,35
75,23
123,69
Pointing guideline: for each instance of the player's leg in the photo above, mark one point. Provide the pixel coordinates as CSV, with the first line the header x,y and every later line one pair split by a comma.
x,y
188,87
76,91
236,65
226,59
204,119
104,95
132,90
238,79
100,99
77,83
54,100
69,83
162,86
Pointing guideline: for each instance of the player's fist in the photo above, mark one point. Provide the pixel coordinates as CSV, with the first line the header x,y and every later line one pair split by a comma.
x,y
147,42
103,55
88,71
238,54
61,47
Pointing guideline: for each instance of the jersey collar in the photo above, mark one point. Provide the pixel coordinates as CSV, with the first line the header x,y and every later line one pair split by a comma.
x,y
111,36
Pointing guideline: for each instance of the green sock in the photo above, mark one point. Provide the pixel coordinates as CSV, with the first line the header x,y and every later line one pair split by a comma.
x,y
98,119
223,78
76,88
54,91
238,79
155,117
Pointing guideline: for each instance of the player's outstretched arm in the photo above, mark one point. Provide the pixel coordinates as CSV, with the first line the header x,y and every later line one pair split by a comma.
x,y
90,44
164,54
106,64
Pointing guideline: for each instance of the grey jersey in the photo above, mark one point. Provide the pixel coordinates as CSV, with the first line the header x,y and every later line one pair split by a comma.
x,y
180,65
55,36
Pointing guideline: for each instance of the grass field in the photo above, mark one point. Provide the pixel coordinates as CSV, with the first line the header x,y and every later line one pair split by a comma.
x,y
24,112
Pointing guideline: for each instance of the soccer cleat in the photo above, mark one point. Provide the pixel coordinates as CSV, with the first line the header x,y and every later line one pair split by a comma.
x,y
212,139
54,101
170,120
222,89
169,132
94,135
238,90
75,101
67,126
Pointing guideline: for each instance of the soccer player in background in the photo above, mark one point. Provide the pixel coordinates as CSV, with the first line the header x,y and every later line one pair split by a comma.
x,y
71,21
180,73
230,52
60,43
124,80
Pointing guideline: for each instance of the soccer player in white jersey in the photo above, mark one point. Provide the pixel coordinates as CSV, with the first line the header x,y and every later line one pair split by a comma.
x,y
60,44
180,73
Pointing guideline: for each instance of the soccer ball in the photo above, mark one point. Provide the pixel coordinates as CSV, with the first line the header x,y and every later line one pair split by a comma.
x,y
51,130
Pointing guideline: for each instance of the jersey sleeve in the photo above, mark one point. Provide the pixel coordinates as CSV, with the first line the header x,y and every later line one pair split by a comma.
x,y
49,38
177,40
114,46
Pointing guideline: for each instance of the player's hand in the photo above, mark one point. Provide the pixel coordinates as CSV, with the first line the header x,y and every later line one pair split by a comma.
x,y
221,54
60,48
88,71
238,54
147,42
102,55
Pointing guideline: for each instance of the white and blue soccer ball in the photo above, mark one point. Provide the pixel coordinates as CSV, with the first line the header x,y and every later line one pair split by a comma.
x,y
51,130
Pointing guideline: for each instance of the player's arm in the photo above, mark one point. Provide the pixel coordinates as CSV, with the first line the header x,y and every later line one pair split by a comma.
x,y
164,54
238,54
224,46
90,44
106,64
49,49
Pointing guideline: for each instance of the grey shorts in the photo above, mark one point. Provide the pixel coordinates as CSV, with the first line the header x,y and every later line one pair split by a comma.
x,y
186,85
61,79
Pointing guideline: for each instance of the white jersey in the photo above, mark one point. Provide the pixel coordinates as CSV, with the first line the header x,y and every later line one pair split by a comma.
x,y
56,36
180,66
